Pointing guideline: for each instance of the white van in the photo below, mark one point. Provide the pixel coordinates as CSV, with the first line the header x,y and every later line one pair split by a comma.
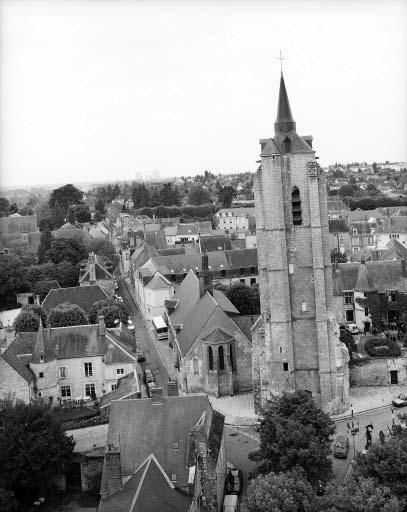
x,y
161,329
231,503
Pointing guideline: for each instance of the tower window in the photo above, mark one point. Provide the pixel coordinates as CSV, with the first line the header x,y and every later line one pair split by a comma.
x,y
296,207
285,367
287,145
195,364
210,358
221,358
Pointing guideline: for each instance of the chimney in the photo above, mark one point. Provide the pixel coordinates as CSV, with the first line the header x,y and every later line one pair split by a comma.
x,y
38,300
205,277
102,326
131,237
91,267
172,388
403,268
157,395
113,469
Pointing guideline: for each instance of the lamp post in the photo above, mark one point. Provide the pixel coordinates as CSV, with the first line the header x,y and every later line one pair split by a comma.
x,y
354,429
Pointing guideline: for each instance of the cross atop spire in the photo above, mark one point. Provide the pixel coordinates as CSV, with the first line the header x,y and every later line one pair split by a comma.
x,y
281,58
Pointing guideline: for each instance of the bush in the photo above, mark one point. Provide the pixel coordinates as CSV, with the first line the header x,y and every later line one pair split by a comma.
x,y
380,347
67,314
110,310
26,321
37,310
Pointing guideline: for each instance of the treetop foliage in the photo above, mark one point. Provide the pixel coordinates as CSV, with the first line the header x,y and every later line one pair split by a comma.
x,y
111,311
67,314
65,196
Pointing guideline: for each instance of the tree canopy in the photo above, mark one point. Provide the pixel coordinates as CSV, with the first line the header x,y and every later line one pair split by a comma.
x,y
226,195
34,451
65,196
67,314
112,312
66,249
46,240
37,310
198,195
26,321
295,434
245,298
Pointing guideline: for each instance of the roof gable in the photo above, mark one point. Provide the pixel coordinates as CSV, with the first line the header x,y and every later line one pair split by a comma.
x,y
82,296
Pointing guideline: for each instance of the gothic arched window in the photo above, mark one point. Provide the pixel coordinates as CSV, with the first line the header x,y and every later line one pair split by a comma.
x,y
210,358
221,354
287,145
195,364
296,207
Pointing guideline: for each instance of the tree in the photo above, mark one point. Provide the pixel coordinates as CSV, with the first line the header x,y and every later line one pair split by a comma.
x,y
140,195
116,191
285,492
386,464
13,208
37,310
67,314
57,216
349,191
103,248
245,298
226,195
112,312
338,256
34,451
46,223
13,278
295,434
100,205
46,240
26,321
372,190
68,249
4,206
169,196
359,495
98,216
65,196
198,195
78,213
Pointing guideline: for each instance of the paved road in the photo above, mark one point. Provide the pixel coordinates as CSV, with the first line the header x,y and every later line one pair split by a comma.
x,y
143,337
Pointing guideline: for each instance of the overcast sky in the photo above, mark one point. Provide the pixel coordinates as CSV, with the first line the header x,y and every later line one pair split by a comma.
x,y
104,90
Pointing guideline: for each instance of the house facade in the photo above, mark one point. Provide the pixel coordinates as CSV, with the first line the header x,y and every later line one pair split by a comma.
x,y
235,219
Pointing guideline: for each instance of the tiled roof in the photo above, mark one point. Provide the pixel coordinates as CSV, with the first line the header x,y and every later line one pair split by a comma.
x,y
385,275
186,295
394,250
12,359
149,489
210,243
82,296
245,324
168,422
194,228
156,239
364,282
238,212
127,385
158,282
217,335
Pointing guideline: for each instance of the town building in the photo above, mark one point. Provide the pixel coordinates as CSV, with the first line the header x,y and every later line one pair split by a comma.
x,y
211,342
19,233
82,296
296,342
234,219
164,454
67,363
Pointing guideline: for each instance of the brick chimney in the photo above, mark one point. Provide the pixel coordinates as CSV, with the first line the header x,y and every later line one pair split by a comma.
x,y
102,326
172,388
113,469
92,267
157,395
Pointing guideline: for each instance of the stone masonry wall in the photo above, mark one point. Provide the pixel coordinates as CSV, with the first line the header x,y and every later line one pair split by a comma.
x,y
376,372
12,384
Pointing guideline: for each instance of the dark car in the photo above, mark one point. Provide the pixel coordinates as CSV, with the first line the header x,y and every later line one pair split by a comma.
x,y
148,376
341,446
234,479
400,400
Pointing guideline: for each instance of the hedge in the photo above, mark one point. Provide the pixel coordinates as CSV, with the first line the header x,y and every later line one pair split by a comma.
x,y
381,347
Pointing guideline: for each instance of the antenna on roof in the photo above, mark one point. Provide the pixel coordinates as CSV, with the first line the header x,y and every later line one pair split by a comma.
x,y
281,58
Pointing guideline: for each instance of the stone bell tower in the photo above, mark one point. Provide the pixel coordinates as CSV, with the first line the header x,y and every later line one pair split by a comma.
x,y
296,342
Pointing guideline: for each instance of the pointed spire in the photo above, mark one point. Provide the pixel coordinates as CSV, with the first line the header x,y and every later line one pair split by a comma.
x,y
284,122
364,282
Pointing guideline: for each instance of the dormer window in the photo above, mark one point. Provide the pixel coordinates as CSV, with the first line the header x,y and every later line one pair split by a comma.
x,y
296,207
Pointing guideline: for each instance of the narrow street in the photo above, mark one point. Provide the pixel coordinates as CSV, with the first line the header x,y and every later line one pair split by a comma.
x,y
144,337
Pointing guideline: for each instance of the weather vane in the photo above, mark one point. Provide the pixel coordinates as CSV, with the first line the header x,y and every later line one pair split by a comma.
x,y
281,58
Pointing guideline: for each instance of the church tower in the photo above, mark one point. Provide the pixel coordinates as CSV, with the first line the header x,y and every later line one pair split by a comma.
x,y
296,342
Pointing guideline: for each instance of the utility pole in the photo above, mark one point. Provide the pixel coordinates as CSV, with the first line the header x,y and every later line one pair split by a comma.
x,y
354,429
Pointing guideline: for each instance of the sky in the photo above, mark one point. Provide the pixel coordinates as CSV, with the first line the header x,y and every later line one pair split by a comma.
x,y
111,90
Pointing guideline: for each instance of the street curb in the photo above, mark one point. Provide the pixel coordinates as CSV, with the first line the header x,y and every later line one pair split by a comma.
x,y
339,417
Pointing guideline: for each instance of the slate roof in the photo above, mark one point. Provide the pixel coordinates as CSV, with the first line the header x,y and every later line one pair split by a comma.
x,y
186,296
168,422
336,205
364,282
149,489
202,228
224,302
83,296
385,275
337,226
217,335
13,360
237,212
158,282
210,243
101,272
233,259
156,239
245,324
394,250
127,385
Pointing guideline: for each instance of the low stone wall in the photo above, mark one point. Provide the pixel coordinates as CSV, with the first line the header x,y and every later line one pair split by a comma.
x,y
377,372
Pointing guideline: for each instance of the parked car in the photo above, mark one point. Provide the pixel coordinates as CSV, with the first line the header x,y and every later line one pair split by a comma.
x,y
352,328
130,324
400,400
341,446
234,479
257,423
141,357
231,503
148,376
